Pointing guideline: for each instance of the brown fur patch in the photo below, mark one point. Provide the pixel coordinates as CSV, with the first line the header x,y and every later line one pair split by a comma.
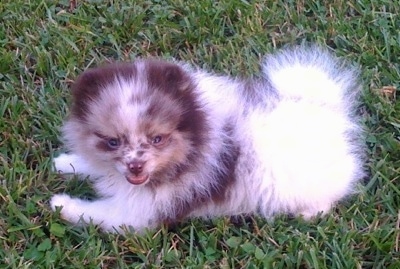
x,y
168,77
173,81
88,86
226,175
223,179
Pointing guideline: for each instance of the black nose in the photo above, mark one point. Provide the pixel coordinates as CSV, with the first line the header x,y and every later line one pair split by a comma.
x,y
136,167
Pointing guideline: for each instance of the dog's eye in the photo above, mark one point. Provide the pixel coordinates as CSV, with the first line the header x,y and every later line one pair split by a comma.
x,y
113,143
157,140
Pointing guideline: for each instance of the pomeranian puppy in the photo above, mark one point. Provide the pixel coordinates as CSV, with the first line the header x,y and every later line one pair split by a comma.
x,y
162,141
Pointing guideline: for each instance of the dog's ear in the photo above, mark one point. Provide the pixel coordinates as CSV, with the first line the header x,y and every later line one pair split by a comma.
x,y
91,82
167,76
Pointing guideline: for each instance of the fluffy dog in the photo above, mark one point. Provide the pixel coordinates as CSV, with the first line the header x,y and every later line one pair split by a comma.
x,y
162,141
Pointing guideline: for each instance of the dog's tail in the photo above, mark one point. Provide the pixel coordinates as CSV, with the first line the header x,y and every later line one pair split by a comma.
x,y
312,73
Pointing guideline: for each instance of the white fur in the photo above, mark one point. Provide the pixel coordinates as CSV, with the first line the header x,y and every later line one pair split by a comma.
x,y
300,146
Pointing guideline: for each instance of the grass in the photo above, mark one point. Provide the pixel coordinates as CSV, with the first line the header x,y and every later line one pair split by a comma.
x,y
44,45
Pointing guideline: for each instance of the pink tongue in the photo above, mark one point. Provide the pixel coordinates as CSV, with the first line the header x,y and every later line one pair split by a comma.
x,y
137,180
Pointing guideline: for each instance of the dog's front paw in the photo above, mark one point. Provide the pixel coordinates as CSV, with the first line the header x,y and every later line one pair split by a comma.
x,y
65,163
70,207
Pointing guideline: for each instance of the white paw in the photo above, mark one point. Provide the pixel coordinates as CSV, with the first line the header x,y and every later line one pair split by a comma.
x,y
65,163
70,208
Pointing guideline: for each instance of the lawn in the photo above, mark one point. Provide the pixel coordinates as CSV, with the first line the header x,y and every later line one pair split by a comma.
x,y
45,44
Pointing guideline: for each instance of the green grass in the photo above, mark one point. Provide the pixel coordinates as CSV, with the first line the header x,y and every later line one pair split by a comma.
x,y
43,46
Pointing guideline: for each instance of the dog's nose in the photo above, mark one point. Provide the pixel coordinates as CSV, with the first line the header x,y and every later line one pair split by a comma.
x,y
136,167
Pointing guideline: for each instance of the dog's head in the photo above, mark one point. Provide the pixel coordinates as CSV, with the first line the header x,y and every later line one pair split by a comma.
x,y
142,119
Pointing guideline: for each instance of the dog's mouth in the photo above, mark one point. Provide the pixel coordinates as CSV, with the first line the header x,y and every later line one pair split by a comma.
x,y
137,179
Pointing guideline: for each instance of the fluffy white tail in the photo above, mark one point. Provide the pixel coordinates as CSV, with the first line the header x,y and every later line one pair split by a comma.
x,y
312,73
